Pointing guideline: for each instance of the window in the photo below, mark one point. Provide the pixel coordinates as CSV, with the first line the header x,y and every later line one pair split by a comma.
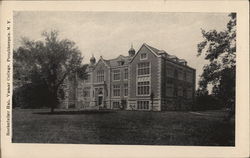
x,y
180,91
120,63
116,104
143,56
125,73
116,75
143,68
189,77
175,91
180,75
143,88
87,80
175,74
142,105
116,90
126,89
169,71
189,93
184,92
170,81
170,90
100,76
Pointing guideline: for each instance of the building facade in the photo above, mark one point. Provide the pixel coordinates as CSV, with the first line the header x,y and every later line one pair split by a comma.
x,y
149,79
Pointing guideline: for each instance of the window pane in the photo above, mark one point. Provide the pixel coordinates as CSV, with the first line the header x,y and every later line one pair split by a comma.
x,y
125,89
143,105
143,68
116,90
116,75
125,73
100,76
143,88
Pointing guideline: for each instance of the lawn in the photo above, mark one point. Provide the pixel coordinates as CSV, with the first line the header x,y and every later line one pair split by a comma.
x,y
123,127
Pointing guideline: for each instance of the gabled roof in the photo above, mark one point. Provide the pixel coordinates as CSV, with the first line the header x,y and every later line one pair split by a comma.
x,y
127,59
114,62
151,49
164,54
120,58
102,60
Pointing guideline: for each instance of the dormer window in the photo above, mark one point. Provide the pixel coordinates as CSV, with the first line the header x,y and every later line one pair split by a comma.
x,y
144,56
120,63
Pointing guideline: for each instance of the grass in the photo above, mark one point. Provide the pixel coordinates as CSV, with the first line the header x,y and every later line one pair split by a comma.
x,y
122,127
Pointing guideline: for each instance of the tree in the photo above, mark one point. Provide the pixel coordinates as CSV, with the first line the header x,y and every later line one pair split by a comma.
x,y
48,62
220,51
205,101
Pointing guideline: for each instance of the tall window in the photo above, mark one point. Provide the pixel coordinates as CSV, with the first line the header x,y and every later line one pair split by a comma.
x,y
176,74
180,91
185,76
184,92
116,75
180,75
126,89
175,91
170,71
143,105
143,88
189,77
143,68
125,73
100,76
116,90
170,90
189,93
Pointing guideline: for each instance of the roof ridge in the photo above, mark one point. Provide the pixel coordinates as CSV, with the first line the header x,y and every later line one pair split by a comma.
x,y
155,50
118,57
105,61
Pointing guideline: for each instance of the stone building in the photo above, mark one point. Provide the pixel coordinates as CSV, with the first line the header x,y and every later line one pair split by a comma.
x,y
149,79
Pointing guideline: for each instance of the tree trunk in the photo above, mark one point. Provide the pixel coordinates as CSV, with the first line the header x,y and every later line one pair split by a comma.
x,y
54,101
52,109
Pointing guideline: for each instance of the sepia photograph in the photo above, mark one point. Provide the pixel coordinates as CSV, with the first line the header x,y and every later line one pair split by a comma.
x,y
124,78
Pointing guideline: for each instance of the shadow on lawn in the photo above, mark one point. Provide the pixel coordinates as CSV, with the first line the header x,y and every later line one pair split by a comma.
x,y
76,112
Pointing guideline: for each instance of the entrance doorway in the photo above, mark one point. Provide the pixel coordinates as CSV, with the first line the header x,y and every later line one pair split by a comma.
x,y
100,98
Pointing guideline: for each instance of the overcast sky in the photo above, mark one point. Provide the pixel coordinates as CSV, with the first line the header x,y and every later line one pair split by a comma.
x,y
111,33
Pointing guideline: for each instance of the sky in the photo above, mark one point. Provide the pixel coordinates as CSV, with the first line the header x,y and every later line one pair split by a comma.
x,y
110,34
